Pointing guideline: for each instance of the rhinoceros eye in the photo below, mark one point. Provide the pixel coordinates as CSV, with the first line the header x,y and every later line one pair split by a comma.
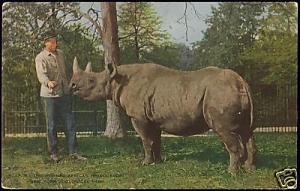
x,y
91,83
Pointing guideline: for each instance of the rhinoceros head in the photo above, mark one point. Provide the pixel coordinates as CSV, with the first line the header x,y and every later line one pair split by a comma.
x,y
89,85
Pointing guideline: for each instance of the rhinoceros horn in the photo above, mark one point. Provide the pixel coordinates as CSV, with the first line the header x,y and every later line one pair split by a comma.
x,y
88,67
76,68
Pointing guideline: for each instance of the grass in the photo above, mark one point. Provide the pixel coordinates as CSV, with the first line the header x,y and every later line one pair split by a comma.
x,y
190,162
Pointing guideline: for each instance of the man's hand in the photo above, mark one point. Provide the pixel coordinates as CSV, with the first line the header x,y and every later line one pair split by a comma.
x,y
52,84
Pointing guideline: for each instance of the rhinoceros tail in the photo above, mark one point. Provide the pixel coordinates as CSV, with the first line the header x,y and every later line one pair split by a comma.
x,y
245,100
248,103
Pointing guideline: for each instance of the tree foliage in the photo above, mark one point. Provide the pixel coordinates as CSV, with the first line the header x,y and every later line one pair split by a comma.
x,y
140,28
232,27
258,40
167,55
274,52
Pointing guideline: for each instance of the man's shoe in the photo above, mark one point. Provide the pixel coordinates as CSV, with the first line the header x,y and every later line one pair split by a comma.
x,y
54,157
77,156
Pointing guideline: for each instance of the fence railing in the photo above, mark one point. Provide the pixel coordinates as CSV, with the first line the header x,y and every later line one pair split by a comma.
x,y
275,105
26,122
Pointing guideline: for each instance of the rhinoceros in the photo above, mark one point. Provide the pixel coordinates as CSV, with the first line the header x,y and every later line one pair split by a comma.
x,y
157,98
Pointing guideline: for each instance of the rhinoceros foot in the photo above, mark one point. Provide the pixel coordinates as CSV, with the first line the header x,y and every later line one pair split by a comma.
x,y
147,161
249,167
233,169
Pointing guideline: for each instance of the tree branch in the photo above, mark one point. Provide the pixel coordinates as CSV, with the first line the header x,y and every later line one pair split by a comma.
x,y
71,20
186,19
37,30
185,22
123,37
88,17
195,11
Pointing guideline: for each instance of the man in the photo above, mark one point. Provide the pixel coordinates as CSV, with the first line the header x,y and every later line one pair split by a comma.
x,y
51,73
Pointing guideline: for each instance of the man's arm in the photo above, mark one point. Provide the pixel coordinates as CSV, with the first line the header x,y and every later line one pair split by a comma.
x,y
41,70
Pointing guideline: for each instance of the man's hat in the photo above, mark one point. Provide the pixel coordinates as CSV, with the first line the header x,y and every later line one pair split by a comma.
x,y
49,34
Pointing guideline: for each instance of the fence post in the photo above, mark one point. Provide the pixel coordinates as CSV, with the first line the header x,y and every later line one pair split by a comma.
x,y
38,110
96,123
3,121
288,93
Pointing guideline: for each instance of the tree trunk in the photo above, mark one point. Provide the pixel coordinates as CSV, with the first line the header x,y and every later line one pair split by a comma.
x,y
3,125
114,127
136,43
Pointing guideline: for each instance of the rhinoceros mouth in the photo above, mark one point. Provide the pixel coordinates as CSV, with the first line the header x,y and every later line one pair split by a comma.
x,y
76,92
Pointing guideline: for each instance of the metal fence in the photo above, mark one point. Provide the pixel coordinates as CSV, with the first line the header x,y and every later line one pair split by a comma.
x,y
274,106
275,110
90,118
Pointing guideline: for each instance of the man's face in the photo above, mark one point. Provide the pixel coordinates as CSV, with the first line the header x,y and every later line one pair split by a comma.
x,y
51,44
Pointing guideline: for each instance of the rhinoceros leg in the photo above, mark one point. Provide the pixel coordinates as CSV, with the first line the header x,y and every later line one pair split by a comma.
x,y
251,152
224,127
151,138
235,149
156,136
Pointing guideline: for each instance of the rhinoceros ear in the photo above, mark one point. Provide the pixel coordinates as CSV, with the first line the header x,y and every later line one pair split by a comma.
x,y
88,67
111,69
76,68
